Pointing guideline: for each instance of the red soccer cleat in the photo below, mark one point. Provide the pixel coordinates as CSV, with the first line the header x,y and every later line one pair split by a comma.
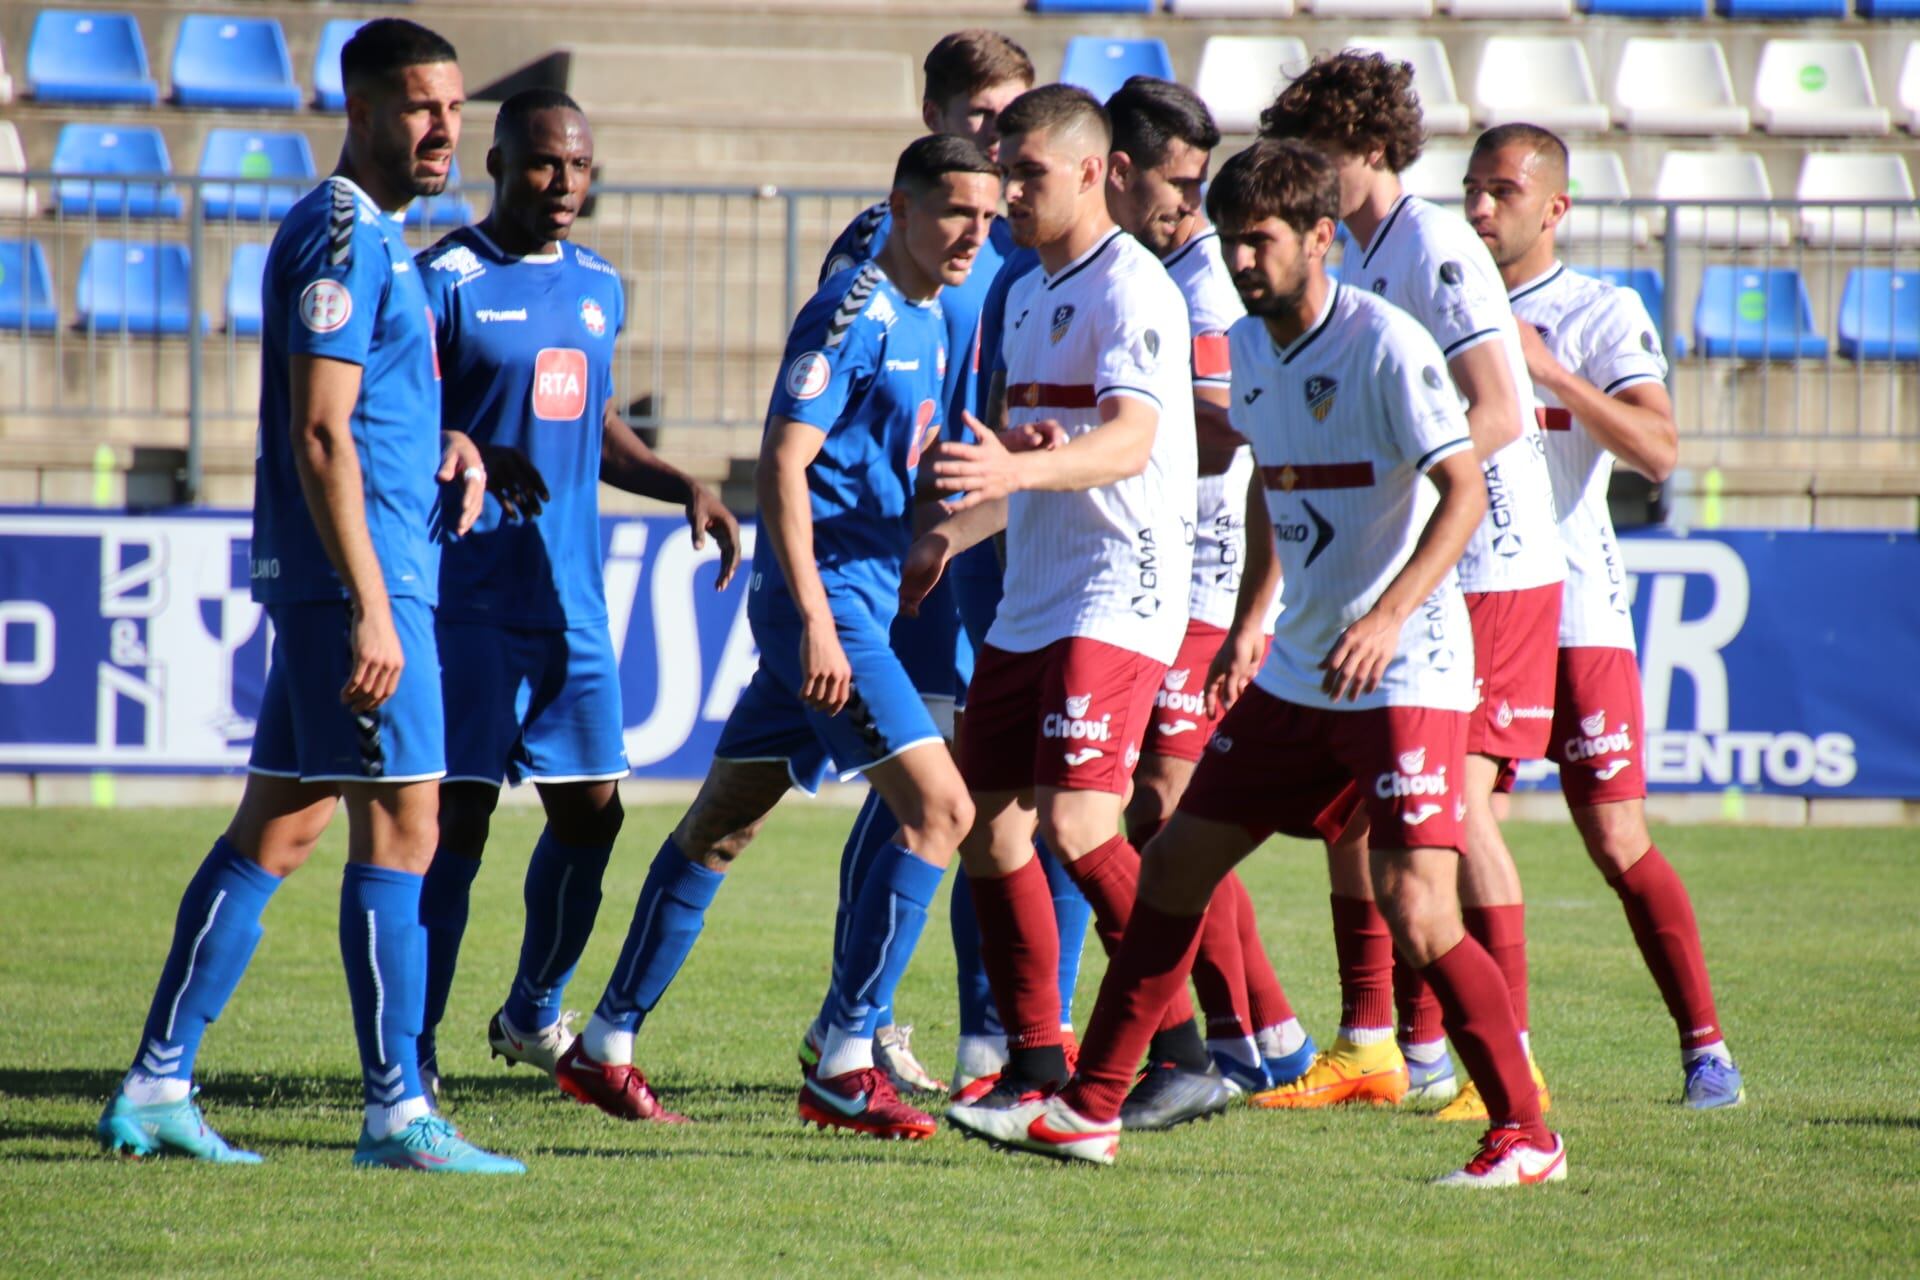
x,y
864,1101
620,1090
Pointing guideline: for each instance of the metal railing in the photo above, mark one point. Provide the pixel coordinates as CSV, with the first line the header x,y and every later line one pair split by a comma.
x,y
714,275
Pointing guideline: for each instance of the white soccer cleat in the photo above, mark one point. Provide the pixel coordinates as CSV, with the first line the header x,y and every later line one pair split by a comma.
x,y
1044,1126
893,1054
977,1063
1507,1159
541,1049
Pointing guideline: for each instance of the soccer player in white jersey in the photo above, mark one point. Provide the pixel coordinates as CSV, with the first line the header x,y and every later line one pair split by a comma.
x,y
1369,678
1098,560
1596,362
1361,111
1163,139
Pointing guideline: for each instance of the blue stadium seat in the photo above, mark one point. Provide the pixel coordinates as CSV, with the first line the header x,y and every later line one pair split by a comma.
x,y
243,289
1693,9
1779,10
249,153
26,290
1756,314
443,210
220,61
1652,288
1100,65
1091,6
1880,315
113,148
89,57
329,94
134,285
1887,8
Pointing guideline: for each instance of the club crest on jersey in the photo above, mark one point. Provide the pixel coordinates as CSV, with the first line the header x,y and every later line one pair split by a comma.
x,y
325,306
808,376
1320,389
924,432
1062,317
1451,274
593,317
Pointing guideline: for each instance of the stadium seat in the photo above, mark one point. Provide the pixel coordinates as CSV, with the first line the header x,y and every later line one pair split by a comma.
x,y
111,148
26,290
1371,9
1230,8
1890,9
328,93
1090,6
1510,8
1436,174
243,289
1543,80
17,199
1596,175
1241,75
1720,175
1652,288
135,286
1779,10
220,61
1879,315
248,153
446,209
1857,175
1692,10
1675,86
1749,313
6,81
1100,65
1907,95
1440,107
89,57
1816,86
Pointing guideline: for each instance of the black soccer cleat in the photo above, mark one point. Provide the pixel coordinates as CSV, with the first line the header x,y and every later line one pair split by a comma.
x,y
1167,1096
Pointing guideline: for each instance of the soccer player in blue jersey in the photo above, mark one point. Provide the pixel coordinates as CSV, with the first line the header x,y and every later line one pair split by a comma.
x,y
858,400
526,324
348,506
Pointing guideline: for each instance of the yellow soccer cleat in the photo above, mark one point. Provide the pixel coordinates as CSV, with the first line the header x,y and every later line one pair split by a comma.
x,y
1346,1073
1470,1106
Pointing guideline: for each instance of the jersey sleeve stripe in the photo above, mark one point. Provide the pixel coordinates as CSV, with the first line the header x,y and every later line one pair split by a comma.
x,y
341,216
1630,380
1439,452
1138,393
1289,477
1472,339
1053,395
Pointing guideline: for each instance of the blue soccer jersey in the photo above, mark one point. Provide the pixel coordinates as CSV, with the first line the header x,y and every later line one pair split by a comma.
x,y
526,344
339,283
867,366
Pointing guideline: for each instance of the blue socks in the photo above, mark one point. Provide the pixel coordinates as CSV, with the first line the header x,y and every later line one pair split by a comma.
x,y
443,913
1072,913
872,832
978,1017
384,949
214,934
562,894
666,923
883,929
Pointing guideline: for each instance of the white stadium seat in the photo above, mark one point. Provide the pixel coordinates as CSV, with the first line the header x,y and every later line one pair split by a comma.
x,y
1241,75
1857,175
1721,175
1436,174
1510,8
1907,95
1230,8
1599,175
1816,86
1676,86
1440,106
1543,80
17,199
1371,8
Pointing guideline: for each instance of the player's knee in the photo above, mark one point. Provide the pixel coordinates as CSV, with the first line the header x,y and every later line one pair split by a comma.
x,y
588,824
1616,835
941,821
1177,885
466,817
714,838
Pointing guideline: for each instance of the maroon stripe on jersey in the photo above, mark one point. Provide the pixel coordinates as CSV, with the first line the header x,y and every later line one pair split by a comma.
x,y
1052,395
1553,419
1319,475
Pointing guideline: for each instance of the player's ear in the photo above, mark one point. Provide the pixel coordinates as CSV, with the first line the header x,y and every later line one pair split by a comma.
x,y
897,202
930,114
1093,172
1119,166
493,163
1557,205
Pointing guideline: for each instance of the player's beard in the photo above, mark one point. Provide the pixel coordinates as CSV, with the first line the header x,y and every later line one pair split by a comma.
x,y
396,159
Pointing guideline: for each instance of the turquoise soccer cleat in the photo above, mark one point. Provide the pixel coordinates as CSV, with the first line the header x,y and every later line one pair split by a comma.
x,y
430,1145
163,1129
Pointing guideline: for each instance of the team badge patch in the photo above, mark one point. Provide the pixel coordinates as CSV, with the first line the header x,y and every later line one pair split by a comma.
x,y
1320,389
1451,274
1152,340
593,317
1431,376
807,376
1380,285
1062,317
924,431
325,306
1646,340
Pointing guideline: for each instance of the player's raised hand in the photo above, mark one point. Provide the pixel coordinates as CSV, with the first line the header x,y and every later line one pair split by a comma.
x,y
981,472
1232,669
1360,657
920,571
460,457
377,659
707,514
1541,365
826,677
515,483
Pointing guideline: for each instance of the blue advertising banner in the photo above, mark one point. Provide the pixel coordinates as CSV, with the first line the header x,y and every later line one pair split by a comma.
x,y
1772,661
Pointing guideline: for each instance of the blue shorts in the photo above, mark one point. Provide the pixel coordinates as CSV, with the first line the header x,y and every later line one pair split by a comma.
x,y
306,732
531,706
933,647
884,717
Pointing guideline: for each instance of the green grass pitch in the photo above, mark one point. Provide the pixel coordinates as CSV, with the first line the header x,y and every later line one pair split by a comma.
x,y
1813,938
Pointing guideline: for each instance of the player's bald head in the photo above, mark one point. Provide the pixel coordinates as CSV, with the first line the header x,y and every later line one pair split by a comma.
x,y
1544,151
1072,120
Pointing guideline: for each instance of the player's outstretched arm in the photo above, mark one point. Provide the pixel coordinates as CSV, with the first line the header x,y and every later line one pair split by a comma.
x,y
1118,449
1245,647
629,465
1360,657
786,517
1493,402
936,547
1635,424
323,395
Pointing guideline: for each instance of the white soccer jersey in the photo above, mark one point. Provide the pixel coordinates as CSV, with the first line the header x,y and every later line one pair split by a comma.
x,y
1428,261
1345,423
1115,563
1220,529
1605,335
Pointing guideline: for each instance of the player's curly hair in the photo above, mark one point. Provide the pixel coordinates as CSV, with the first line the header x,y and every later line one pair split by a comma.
x,y
1355,101
1275,178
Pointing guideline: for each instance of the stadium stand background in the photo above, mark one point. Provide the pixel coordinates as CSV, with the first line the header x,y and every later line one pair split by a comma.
x,y
1780,427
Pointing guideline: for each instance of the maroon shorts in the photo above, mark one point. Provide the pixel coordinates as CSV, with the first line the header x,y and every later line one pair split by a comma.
x,y
1301,771
1599,738
1070,715
1180,725
1516,645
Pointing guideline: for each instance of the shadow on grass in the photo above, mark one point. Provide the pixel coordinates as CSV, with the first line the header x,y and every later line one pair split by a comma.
x,y
1866,1122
